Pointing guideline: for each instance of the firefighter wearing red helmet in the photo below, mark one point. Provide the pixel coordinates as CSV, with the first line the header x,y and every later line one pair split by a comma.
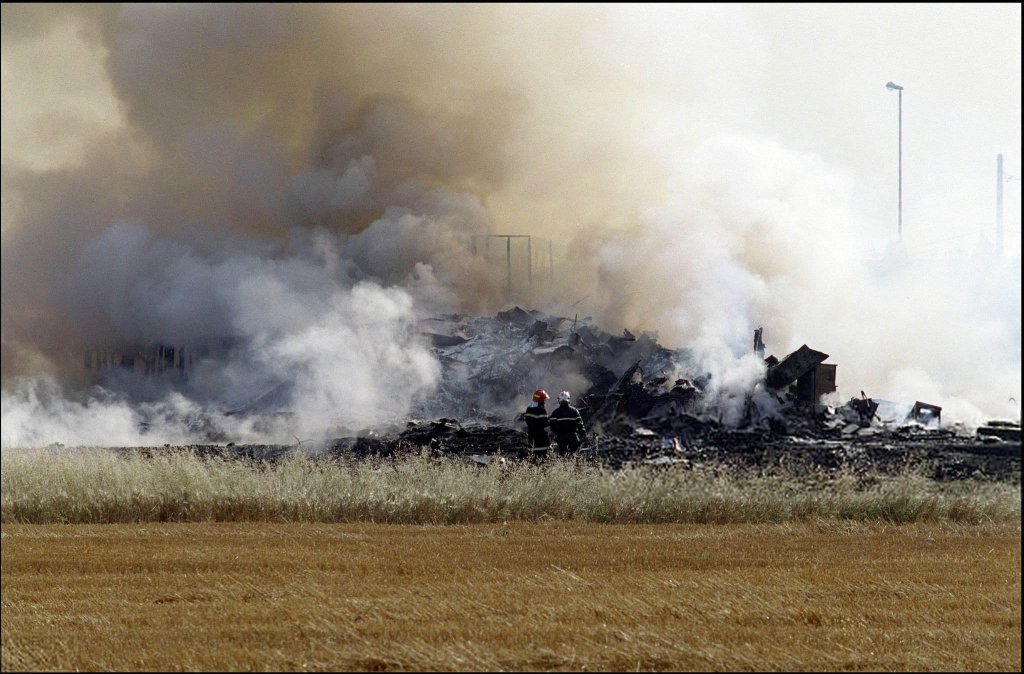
x,y
537,422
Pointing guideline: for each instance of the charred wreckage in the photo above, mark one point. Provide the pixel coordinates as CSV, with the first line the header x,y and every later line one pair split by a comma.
x,y
644,404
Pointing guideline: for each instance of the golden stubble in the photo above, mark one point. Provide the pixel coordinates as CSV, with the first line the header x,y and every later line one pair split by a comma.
x,y
809,596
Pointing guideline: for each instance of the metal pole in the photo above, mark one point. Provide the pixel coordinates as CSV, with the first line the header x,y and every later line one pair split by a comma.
x,y
508,260
551,261
999,205
900,222
529,262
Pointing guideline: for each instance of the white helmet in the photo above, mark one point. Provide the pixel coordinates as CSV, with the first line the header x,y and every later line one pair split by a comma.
x,y
563,397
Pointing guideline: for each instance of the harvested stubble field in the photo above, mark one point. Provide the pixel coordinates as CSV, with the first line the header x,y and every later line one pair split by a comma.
x,y
572,596
114,561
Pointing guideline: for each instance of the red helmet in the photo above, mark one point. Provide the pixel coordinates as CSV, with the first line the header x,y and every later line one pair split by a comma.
x,y
540,395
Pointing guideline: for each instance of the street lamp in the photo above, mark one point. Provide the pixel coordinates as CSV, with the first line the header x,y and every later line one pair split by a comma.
x,y
892,86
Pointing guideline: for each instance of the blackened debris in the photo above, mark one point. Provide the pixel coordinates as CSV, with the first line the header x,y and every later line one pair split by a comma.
x,y
516,316
865,407
794,365
1003,430
759,343
443,340
644,404
925,413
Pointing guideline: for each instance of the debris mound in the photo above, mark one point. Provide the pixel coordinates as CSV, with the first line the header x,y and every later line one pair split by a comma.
x,y
646,405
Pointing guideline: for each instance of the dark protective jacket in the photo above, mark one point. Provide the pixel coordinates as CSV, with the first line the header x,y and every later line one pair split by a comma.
x,y
568,427
536,425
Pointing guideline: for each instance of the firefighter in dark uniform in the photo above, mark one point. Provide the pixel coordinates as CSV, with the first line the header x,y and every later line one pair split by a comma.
x,y
536,416
567,424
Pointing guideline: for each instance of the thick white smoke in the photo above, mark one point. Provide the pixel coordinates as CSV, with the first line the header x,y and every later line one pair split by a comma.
x,y
757,235
334,355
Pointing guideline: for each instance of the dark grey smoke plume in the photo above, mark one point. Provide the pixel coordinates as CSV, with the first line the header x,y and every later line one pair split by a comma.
x,y
278,191
246,127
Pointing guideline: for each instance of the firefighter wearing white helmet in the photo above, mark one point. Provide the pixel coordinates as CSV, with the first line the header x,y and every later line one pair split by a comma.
x,y
567,425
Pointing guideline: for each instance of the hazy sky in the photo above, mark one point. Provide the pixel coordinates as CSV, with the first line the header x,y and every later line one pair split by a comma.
x,y
810,76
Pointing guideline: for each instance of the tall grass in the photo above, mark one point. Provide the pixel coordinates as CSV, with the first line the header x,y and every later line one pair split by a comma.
x,y
99,486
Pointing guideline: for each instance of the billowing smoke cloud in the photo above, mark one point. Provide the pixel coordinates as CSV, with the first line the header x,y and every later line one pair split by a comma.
x,y
295,185
295,333
775,241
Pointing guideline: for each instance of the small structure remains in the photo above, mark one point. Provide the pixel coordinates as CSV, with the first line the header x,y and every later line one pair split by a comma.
x,y
925,413
817,382
805,366
147,360
759,343
1008,431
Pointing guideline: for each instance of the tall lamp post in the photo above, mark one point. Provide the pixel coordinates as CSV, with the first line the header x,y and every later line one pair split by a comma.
x,y
892,86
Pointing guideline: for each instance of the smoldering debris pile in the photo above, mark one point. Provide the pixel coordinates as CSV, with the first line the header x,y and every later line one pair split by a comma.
x,y
644,404
492,364
941,455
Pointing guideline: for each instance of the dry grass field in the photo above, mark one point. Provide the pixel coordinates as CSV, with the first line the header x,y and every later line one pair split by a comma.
x,y
95,486
809,595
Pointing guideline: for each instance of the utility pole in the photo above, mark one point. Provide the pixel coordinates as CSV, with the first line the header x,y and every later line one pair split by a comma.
x,y
899,224
551,263
999,206
892,86
529,262
508,260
